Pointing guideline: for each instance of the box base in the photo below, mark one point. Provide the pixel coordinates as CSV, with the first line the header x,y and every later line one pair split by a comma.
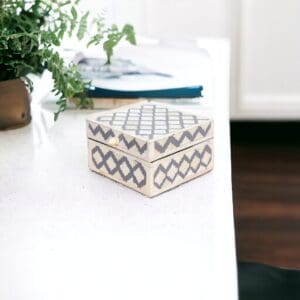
x,y
151,179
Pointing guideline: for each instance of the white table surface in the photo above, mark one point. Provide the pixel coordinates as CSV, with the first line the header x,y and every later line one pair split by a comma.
x,y
67,233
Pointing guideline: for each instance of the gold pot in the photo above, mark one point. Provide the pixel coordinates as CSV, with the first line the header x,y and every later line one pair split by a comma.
x,y
14,104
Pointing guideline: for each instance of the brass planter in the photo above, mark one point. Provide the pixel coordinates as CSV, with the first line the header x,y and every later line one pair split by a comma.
x,y
14,104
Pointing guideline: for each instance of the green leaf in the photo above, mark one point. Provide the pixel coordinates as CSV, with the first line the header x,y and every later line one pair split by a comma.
x,y
95,40
82,26
74,13
128,30
62,31
108,47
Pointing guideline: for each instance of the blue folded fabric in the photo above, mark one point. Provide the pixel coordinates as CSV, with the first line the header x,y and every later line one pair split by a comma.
x,y
182,92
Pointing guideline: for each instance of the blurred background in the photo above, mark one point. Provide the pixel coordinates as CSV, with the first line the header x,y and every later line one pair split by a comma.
x,y
265,45
264,104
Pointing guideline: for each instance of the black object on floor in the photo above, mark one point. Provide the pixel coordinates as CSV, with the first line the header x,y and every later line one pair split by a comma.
x,y
262,282
265,132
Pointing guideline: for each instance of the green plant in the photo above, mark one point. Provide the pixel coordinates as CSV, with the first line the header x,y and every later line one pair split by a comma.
x,y
31,31
111,37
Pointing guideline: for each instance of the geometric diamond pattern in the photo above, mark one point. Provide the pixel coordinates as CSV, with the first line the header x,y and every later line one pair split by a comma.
x,y
127,142
149,120
98,129
182,167
122,166
200,131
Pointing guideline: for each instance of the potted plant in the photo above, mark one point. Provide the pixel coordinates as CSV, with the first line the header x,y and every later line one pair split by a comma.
x,y
30,32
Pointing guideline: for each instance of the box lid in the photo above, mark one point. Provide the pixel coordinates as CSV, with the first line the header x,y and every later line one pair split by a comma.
x,y
148,130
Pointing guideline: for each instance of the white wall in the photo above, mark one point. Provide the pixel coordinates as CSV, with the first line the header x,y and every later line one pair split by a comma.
x,y
269,61
176,18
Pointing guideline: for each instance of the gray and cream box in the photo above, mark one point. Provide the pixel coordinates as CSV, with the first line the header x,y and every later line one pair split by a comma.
x,y
149,147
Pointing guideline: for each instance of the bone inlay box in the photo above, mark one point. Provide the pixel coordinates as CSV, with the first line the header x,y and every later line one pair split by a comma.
x,y
149,147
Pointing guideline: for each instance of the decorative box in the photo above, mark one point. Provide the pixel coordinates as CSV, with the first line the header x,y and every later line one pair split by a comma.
x,y
149,147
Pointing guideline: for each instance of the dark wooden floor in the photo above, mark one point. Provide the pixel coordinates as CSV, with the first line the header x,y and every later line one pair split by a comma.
x,y
266,189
